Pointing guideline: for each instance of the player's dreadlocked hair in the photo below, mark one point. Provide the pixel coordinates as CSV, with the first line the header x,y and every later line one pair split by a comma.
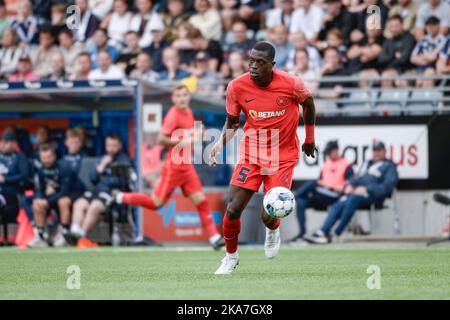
x,y
266,47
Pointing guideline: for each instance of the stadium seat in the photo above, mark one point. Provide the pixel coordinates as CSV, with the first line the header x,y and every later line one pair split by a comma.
x,y
361,100
390,101
423,98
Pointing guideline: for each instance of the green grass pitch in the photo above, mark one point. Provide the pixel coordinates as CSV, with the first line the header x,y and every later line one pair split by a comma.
x,y
163,273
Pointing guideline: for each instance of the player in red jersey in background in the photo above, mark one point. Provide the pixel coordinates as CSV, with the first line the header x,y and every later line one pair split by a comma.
x,y
178,135
270,100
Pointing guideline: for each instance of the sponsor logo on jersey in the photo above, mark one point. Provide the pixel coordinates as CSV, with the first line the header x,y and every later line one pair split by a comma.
x,y
282,101
265,114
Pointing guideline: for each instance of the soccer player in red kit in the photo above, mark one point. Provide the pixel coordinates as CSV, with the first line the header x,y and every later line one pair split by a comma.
x,y
178,135
270,100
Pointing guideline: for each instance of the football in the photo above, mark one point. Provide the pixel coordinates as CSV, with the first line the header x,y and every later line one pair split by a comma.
x,y
279,202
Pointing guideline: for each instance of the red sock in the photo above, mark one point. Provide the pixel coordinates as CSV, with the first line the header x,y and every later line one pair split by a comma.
x,y
231,229
138,199
206,218
274,225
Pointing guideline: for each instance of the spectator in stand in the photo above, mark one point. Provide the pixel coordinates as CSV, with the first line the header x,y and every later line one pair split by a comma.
x,y
281,15
300,42
331,67
69,49
82,67
26,25
397,50
145,21
155,50
58,18
374,182
143,68
302,70
250,11
106,69
192,42
14,174
54,179
363,54
335,39
24,70
207,20
426,52
208,81
127,59
57,67
100,40
443,63
334,175
337,16
241,42
228,12
307,18
175,15
407,9
42,55
427,83
376,18
9,53
88,22
438,8
171,61
235,67
4,22
394,82
101,8
282,46
87,209
117,24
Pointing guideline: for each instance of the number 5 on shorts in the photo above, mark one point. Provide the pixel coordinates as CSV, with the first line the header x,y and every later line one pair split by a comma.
x,y
243,174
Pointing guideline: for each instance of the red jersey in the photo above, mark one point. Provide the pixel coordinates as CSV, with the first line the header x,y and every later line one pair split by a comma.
x,y
178,124
272,116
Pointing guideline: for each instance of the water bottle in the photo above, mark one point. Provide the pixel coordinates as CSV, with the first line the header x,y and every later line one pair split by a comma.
x,y
115,238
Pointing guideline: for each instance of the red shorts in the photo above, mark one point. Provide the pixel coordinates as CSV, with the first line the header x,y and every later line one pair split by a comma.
x,y
250,176
187,179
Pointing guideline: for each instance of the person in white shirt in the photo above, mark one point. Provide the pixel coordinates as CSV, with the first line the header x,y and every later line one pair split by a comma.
x,y
302,69
308,18
9,53
106,69
207,20
69,49
100,8
279,15
118,23
299,41
144,21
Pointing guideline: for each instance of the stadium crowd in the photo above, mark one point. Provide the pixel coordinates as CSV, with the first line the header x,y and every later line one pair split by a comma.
x,y
208,41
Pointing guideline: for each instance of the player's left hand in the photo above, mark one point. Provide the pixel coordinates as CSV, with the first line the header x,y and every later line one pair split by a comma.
x,y
309,149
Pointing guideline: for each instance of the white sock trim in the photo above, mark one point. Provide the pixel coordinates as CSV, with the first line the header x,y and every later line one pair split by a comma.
x,y
119,197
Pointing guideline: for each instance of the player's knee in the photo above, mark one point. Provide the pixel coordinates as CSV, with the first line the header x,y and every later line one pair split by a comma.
x,y
233,212
63,202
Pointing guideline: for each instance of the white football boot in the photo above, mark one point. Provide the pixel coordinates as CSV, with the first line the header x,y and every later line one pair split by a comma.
x,y
59,240
272,243
229,263
37,241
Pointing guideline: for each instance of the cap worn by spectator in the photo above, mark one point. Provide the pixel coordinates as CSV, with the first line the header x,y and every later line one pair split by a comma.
x,y
9,136
378,145
331,145
432,20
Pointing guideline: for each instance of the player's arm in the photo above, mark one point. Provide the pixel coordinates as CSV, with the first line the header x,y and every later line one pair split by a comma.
x,y
309,116
166,140
228,132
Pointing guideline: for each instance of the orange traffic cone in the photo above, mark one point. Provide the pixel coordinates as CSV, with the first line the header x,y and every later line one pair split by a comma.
x,y
25,231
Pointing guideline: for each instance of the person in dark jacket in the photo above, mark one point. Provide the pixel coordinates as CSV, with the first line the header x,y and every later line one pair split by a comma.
x,y
74,156
13,176
335,173
375,182
397,50
87,209
54,179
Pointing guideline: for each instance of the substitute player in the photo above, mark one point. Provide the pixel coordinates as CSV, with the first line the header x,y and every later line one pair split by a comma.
x,y
177,170
269,150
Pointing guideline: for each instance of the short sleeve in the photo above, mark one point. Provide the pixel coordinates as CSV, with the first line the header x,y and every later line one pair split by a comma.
x,y
301,92
170,123
232,105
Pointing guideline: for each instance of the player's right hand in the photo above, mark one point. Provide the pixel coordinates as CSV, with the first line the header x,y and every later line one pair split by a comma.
x,y
309,149
215,151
